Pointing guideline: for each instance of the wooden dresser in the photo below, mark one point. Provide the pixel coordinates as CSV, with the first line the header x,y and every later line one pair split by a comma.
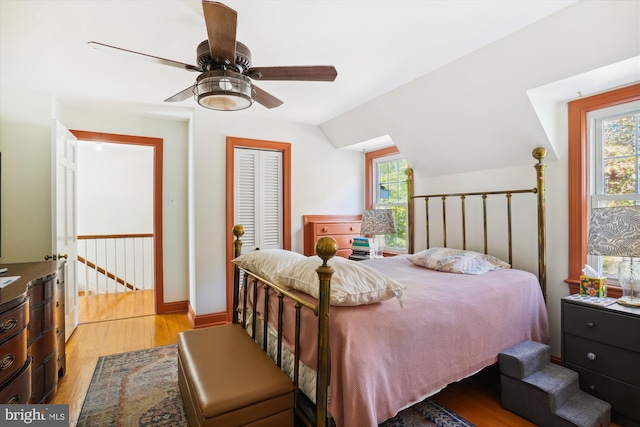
x,y
343,228
32,342
602,344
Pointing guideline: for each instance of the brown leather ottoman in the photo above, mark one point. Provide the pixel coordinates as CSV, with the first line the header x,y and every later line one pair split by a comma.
x,y
227,380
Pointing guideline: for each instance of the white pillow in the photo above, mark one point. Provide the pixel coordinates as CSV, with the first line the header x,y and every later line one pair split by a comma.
x,y
352,283
457,261
267,262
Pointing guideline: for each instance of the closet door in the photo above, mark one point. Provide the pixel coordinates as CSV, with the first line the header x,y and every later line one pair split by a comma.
x,y
258,197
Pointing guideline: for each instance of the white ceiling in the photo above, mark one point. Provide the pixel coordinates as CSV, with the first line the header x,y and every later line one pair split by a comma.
x,y
376,46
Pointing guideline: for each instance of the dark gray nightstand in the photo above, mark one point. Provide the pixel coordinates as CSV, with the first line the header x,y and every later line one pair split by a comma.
x,y
602,344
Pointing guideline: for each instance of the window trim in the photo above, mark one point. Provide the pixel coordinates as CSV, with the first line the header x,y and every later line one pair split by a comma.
x,y
368,168
369,160
578,177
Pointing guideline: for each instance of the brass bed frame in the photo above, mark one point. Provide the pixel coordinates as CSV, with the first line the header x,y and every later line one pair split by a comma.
x,y
246,281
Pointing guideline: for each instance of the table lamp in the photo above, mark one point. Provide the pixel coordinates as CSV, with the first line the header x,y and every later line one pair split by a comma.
x,y
615,231
377,223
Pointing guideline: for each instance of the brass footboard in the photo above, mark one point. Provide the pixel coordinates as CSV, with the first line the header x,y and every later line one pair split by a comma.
x,y
246,281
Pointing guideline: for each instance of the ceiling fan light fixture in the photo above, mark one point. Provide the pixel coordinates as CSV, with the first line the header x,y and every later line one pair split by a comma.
x,y
223,90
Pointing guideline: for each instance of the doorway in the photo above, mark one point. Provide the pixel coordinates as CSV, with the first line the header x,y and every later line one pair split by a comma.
x,y
120,238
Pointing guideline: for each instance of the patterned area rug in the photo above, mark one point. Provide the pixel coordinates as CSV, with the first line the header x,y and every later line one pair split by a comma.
x,y
140,388
427,413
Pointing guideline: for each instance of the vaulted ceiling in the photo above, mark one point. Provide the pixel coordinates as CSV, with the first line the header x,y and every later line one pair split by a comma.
x,y
469,80
376,46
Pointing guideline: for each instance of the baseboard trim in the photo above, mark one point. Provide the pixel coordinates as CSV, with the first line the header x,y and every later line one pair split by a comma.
x,y
205,320
173,307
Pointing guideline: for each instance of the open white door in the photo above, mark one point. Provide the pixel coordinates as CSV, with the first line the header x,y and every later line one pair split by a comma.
x,y
63,212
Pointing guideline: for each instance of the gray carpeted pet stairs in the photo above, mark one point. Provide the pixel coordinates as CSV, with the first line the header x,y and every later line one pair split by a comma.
x,y
545,393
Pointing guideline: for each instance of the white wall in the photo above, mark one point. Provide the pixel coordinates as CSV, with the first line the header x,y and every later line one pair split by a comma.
x,y
474,113
324,180
25,143
115,189
525,221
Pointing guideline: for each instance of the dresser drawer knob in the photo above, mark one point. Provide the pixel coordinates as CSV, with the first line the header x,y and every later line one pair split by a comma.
x,y
324,230
13,400
7,360
590,324
591,356
8,325
592,388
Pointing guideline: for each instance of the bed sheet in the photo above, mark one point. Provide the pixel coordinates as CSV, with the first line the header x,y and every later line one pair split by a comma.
x,y
385,357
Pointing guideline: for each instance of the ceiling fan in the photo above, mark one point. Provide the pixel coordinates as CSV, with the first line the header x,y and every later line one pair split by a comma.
x,y
226,76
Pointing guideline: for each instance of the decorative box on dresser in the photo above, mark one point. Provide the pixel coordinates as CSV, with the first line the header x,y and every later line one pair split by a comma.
x,y
32,341
602,344
343,228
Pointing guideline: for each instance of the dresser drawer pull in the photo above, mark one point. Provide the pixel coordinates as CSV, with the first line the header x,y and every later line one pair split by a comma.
x,y
324,230
8,325
13,400
6,361
590,324
591,356
592,388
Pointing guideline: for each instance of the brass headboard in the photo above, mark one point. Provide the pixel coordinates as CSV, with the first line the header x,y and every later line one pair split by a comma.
x,y
539,154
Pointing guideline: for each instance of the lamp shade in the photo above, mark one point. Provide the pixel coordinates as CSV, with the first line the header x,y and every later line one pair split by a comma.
x,y
377,222
615,231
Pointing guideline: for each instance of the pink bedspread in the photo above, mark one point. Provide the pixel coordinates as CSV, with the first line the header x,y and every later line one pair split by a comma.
x,y
385,358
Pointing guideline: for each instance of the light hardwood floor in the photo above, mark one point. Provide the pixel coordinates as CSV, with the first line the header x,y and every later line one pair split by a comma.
x,y
108,329
477,399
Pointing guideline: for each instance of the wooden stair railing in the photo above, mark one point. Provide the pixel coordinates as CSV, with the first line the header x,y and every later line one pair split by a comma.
x,y
106,273
102,270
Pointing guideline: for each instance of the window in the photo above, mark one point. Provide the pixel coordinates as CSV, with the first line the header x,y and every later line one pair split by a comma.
x,y
579,176
614,167
387,189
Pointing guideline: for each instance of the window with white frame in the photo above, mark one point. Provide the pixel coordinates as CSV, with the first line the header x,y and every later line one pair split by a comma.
x,y
389,188
615,166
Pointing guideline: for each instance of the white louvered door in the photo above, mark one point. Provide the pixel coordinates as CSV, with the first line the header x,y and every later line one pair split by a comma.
x,y
258,197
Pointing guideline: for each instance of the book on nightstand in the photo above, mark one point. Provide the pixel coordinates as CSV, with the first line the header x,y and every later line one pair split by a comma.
x,y
360,249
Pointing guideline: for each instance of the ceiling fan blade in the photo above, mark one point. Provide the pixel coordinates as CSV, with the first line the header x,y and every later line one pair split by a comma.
x,y
181,96
221,30
320,73
138,55
266,99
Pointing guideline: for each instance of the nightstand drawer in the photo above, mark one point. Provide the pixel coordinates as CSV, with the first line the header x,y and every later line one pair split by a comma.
x,y
623,397
330,229
605,326
605,359
344,241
